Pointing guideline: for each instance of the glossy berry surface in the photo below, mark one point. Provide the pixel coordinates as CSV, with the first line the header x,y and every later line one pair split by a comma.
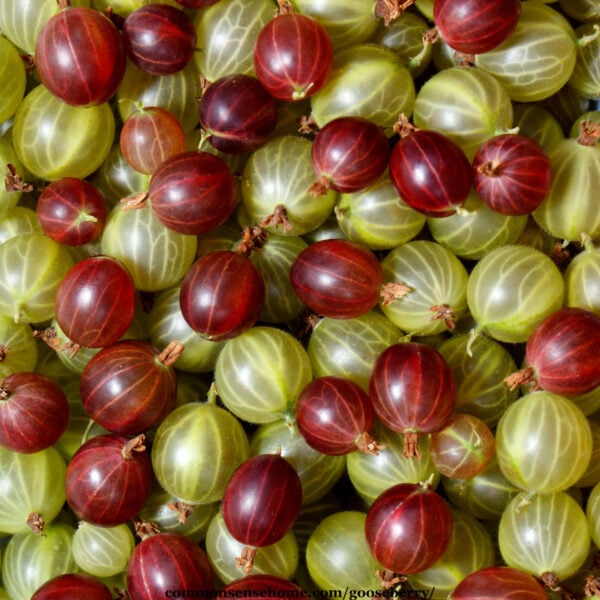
x,y
73,586
34,412
431,173
498,583
193,192
413,389
95,302
237,114
408,528
222,295
165,562
476,26
334,415
72,211
150,136
262,500
109,479
80,56
129,387
337,278
159,39
512,174
348,154
293,56
564,352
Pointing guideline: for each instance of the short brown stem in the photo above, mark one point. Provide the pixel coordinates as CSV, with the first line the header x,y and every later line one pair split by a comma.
x,y
307,125
3,351
592,586
278,217
13,182
403,127
589,133
36,523
168,357
521,377
389,579
135,444
246,560
390,10
143,528
393,291
490,168
320,187
284,7
411,445
550,581
444,312
50,337
134,201
183,510
367,444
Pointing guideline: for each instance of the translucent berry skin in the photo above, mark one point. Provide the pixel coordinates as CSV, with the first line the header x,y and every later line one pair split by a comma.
x,y
499,583
337,278
332,412
238,114
34,412
165,562
408,528
431,173
293,56
348,154
222,295
512,174
71,211
193,192
160,39
149,137
106,486
73,586
412,388
475,26
126,388
564,352
80,56
262,500
95,302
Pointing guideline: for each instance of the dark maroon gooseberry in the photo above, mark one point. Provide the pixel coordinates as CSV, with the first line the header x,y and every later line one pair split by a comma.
x,y
193,192
222,295
337,278
237,114
80,56
563,353
348,155
160,39
512,174
408,528
73,586
413,391
475,26
163,563
499,583
335,416
130,387
95,302
109,479
293,56
261,503
34,412
149,137
431,173
71,211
